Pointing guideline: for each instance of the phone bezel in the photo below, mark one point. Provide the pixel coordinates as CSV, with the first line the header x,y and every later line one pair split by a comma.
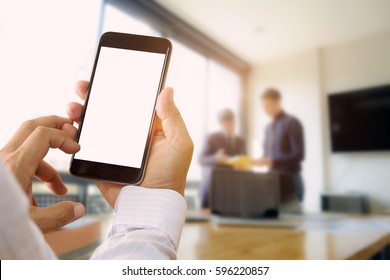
x,y
110,172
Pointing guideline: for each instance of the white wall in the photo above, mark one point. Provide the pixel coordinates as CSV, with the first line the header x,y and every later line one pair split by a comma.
x,y
358,64
305,79
297,79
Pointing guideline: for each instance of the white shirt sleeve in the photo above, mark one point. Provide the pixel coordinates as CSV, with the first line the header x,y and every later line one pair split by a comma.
x,y
147,225
20,238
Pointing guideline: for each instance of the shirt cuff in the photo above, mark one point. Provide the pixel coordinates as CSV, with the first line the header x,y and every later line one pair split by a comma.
x,y
161,209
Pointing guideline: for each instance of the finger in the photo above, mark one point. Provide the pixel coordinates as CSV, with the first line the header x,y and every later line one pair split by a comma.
x,y
29,126
47,174
81,88
57,215
157,127
172,123
70,130
74,110
165,106
36,146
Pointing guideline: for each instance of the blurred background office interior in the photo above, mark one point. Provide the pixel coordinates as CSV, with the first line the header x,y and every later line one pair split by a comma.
x,y
226,53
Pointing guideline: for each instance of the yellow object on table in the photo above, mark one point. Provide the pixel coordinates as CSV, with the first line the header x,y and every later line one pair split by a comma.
x,y
240,162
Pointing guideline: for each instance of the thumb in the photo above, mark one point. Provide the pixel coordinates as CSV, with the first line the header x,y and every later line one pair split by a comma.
x,y
172,123
55,216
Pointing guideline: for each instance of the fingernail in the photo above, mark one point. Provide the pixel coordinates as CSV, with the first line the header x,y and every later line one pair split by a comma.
x,y
79,211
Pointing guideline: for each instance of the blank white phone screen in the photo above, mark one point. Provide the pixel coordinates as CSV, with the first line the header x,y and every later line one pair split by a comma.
x,y
120,107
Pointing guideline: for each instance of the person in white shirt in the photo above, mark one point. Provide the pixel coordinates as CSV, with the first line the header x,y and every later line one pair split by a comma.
x,y
149,218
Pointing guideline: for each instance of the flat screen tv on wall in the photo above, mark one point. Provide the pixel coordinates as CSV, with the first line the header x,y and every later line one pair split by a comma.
x,y
360,120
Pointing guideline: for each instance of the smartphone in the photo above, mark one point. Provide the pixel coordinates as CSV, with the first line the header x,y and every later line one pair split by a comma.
x,y
117,120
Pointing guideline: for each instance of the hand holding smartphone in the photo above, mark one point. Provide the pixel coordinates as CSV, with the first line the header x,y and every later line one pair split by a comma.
x,y
117,120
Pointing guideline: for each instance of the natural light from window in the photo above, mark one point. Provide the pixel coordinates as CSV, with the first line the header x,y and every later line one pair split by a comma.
x,y
41,61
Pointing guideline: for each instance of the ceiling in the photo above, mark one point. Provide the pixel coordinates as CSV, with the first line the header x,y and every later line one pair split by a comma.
x,y
264,30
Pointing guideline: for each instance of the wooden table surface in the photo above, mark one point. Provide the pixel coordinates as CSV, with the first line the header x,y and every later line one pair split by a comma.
x,y
360,240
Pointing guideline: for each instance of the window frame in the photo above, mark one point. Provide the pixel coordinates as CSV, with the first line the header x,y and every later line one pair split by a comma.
x,y
172,26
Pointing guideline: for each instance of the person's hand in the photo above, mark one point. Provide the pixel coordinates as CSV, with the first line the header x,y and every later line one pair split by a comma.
x,y
24,154
262,162
221,157
171,147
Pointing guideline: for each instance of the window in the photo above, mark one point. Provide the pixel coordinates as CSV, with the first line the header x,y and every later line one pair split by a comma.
x,y
45,47
224,90
187,74
202,86
41,61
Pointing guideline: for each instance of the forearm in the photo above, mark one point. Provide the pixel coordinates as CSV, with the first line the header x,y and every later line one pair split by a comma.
x,y
127,242
147,225
288,158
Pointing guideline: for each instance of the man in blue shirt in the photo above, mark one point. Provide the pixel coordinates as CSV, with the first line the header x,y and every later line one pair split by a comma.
x,y
283,146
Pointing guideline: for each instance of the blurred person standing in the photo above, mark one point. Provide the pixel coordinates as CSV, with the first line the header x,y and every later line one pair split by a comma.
x,y
284,147
218,147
